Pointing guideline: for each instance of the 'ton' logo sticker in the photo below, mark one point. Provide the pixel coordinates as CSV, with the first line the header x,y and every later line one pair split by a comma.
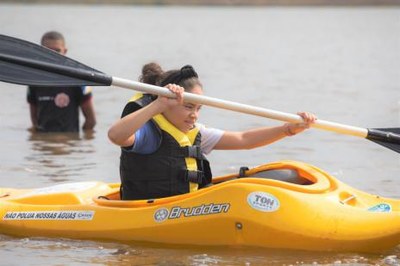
x,y
263,201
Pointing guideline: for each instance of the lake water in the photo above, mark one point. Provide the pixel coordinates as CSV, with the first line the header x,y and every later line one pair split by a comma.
x,y
343,64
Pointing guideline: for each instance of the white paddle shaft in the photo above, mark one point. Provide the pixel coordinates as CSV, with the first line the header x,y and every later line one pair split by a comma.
x,y
239,107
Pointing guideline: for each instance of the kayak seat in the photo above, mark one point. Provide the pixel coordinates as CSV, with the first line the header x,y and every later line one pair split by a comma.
x,y
285,175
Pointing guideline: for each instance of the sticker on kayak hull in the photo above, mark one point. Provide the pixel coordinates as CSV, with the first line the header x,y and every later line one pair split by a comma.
x,y
179,212
381,207
263,201
161,215
50,215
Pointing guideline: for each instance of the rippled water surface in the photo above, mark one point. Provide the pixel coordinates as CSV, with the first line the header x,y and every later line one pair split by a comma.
x,y
340,63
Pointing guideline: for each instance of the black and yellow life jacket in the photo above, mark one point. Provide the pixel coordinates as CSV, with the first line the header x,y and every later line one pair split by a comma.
x,y
178,166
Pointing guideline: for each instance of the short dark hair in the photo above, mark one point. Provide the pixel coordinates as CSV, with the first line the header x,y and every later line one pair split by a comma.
x,y
53,35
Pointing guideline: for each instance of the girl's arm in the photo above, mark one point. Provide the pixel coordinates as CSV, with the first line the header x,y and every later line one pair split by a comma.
x,y
258,137
122,132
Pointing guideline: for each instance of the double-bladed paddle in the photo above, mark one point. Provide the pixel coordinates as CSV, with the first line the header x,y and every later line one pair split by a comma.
x,y
26,63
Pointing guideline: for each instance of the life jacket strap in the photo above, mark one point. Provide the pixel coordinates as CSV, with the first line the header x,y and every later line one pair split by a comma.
x,y
194,152
189,151
193,176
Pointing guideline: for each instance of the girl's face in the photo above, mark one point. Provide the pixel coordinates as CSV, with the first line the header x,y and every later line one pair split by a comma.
x,y
185,116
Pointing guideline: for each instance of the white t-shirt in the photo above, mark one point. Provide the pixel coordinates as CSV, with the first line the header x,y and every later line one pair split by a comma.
x,y
209,137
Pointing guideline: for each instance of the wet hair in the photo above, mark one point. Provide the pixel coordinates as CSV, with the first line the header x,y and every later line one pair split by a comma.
x,y
186,77
53,35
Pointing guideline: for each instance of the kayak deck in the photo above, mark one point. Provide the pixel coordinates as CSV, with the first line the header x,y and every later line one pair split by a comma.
x,y
313,211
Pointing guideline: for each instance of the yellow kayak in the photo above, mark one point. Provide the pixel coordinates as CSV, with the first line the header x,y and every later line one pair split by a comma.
x,y
288,205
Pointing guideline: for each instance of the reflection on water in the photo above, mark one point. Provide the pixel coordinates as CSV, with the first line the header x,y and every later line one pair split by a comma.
x,y
59,156
58,143
107,253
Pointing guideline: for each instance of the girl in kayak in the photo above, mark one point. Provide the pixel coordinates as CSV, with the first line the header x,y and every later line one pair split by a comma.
x,y
162,146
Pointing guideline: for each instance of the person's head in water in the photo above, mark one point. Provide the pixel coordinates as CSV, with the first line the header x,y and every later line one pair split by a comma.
x,y
54,41
183,116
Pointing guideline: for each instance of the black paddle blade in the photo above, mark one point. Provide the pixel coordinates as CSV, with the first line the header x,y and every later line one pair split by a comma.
x,y
387,137
26,63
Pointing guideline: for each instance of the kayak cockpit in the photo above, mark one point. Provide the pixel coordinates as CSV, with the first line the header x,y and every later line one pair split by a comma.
x,y
286,174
